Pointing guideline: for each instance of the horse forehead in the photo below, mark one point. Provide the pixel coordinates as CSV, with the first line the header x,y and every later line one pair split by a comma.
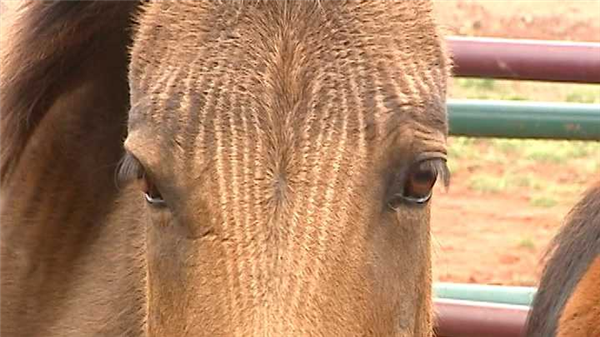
x,y
278,37
280,71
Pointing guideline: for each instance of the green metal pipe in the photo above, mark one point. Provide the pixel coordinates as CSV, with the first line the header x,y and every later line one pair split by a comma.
x,y
485,293
517,119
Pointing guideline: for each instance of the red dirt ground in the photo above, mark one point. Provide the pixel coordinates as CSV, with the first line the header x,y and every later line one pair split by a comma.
x,y
525,19
476,236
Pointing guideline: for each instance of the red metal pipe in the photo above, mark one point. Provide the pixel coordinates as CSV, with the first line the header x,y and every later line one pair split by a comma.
x,y
526,59
459,318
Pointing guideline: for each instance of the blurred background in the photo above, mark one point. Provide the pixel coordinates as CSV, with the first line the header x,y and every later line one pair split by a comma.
x,y
508,197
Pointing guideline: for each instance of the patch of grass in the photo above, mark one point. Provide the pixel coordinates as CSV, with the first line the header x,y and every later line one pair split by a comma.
x,y
472,88
462,148
530,167
544,201
584,95
511,97
453,166
487,183
486,84
527,243
524,280
511,180
577,97
563,189
542,155
527,181
507,145
592,166
478,149
559,151
545,151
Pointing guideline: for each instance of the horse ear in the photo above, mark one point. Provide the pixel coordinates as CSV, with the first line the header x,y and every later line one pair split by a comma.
x,y
45,46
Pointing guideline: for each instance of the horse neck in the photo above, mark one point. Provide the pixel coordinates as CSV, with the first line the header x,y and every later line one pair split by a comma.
x,y
70,250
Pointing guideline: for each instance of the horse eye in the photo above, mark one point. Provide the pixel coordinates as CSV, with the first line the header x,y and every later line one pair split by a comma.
x,y
419,182
151,193
415,186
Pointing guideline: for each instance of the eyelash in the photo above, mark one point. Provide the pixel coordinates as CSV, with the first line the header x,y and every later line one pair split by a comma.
x,y
130,169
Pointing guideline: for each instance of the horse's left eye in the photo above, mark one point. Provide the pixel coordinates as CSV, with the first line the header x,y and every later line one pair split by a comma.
x,y
419,182
151,193
415,185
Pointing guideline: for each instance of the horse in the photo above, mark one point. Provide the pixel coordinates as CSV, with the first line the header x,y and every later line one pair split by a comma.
x,y
567,302
236,168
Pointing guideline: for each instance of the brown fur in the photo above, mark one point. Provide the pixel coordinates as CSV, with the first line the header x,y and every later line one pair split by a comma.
x,y
567,302
581,314
276,132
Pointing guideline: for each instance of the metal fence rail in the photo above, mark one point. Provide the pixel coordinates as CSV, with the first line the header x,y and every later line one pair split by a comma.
x,y
517,119
476,310
485,293
458,318
526,59
495,311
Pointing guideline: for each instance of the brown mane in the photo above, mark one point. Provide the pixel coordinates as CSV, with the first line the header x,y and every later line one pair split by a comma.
x,y
40,53
572,251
